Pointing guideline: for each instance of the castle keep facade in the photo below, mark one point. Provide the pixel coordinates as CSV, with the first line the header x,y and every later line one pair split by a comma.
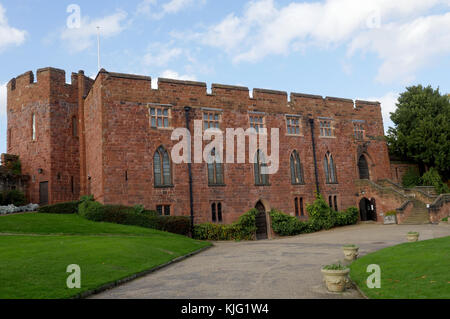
x,y
111,137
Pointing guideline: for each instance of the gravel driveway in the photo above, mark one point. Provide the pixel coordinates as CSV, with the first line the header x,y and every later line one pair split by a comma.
x,y
269,269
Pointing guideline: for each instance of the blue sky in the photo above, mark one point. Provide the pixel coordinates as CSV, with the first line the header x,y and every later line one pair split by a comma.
x,y
354,49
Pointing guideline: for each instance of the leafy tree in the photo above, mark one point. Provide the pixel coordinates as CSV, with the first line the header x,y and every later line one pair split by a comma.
x,y
422,128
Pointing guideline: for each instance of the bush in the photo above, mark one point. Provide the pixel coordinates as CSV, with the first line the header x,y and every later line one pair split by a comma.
x,y
320,214
60,208
285,225
125,215
243,229
411,178
14,197
432,178
347,217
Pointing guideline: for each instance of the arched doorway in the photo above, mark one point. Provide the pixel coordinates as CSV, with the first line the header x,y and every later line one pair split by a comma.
x,y
367,210
363,168
261,222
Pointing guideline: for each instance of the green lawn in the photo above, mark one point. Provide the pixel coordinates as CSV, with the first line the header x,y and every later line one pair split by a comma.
x,y
417,270
38,248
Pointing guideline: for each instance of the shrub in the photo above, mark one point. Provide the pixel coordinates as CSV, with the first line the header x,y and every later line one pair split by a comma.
x,y
125,215
320,214
243,229
445,219
60,208
285,225
432,178
335,267
347,217
14,197
411,178
391,213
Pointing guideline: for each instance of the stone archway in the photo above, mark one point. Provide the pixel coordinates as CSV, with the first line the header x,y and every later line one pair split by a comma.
x,y
367,210
261,221
363,168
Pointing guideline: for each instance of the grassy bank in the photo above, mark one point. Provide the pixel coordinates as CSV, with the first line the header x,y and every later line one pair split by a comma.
x,y
35,250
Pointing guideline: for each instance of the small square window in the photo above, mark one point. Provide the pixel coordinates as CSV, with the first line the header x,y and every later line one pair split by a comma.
x,y
211,120
159,117
293,125
326,128
257,122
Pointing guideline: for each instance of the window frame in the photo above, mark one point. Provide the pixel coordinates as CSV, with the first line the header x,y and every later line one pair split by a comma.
x,y
218,169
296,164
326,126
257,125
260,179
163,184
208,120
330,169
161,116
290,118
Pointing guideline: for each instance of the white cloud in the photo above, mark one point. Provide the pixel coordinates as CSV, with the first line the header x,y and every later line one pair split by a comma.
x,y
388,105
2,99
160,55
381,26
148,7
8,35
170,74
405,48
80,39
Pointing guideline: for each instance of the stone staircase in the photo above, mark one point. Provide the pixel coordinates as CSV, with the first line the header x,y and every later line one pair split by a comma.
x,y
419,214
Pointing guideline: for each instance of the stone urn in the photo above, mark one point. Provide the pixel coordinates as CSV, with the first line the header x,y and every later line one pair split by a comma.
x,y
413,236
350,252
336,279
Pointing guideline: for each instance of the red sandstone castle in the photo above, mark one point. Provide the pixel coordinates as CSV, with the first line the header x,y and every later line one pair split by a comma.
x,y
111,137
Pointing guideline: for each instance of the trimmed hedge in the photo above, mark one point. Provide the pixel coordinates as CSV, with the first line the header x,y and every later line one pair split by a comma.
x,y
60,208
125,215
243,229
321,216
13,197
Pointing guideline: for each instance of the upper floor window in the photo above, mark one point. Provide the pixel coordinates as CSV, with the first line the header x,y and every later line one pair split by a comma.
x,y
296,169
162,168
326,128
260,165
330,169
211,120
358,131
159,117
215,169
293,125
257,122
33,127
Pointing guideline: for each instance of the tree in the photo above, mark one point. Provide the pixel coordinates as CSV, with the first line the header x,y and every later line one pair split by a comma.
x,y
422,129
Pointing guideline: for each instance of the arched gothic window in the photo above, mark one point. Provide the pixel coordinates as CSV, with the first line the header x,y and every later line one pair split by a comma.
x,y
260,163
330,169
296,169
215,169
162,168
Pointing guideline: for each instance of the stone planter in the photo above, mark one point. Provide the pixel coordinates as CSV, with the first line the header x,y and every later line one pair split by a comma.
x,y
350,252
336,280
412,237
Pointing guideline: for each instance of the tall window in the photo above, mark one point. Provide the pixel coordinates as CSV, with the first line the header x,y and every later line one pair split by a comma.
x,y
326,128
33,127
162,168
330,169
74,126
215,169
298,203
257,122
293,125
260,164
211,120
216,212
159,117
296,169
358,131
332,201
